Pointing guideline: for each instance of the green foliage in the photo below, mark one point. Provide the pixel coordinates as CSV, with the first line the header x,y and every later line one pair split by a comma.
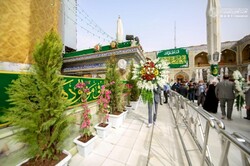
x,y
147,96
239,102
115,85
38,104
134,92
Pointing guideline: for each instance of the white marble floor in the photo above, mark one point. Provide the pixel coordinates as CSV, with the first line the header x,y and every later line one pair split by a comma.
x,y
129,144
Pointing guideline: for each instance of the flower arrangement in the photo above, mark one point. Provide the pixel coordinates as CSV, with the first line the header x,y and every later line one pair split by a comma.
x,y
150,75
238,80
103,102
85,126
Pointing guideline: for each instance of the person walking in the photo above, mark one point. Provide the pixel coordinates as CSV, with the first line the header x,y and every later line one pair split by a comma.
x,y
191,91
224,91
183,90
166,92
247,96
211,101
201,93
153,115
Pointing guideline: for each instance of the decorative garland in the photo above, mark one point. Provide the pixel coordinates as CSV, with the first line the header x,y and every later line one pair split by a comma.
x,y
150,75
240,97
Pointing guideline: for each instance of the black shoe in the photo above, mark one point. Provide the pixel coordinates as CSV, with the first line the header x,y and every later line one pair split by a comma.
x,y
161,103
165,102
247,118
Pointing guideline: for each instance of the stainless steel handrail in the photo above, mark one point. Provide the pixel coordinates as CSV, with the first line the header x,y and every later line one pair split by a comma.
x,y
241,142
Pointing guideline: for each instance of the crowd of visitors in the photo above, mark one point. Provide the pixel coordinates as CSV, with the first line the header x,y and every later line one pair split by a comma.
x,y
210,94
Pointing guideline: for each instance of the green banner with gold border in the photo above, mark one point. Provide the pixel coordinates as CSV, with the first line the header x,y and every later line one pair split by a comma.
x,y
94,84
177,58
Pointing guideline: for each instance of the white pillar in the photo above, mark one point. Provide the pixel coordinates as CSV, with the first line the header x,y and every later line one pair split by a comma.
x,y
196,75
201,76
221,74
119,34
248,74
226,71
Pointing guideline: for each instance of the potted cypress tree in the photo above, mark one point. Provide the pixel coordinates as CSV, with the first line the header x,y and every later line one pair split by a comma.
x,y
113,78
134,91
38,105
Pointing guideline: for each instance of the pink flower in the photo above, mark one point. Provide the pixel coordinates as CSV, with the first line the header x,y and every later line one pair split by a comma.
x,y
83,125
86,116
112,82
103,102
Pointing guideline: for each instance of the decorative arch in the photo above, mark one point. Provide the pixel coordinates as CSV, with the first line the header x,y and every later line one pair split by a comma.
x,y
201,59
181,76
246,54
228,57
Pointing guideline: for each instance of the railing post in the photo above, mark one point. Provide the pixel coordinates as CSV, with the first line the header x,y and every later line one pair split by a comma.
x,y
225,150
204,149
244,159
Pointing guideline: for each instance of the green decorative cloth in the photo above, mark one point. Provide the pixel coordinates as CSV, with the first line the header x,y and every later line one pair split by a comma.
x,y
214,69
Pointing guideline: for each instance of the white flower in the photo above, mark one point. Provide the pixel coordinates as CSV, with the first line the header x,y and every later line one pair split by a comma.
x,y
136,66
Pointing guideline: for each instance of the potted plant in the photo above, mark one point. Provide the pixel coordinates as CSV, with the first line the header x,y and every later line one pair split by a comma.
x,y
85,140
116,87
103,112
38,106
135,92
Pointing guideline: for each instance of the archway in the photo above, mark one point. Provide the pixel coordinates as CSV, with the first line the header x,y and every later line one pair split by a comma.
x,y
228,57
181,76
246,54
201,59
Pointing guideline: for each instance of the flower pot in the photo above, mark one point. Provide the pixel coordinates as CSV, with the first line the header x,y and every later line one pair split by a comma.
x,y
128,109
63,162
102,132
125,112
134,104
116,120
84,148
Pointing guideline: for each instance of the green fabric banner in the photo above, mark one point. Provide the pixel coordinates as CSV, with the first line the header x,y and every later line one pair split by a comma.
x,y
177,58
214,69
94,84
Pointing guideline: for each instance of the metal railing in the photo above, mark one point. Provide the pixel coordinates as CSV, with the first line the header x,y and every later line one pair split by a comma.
x,y
207,132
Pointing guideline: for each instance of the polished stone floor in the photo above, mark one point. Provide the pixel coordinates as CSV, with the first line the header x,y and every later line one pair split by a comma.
x,y
131,145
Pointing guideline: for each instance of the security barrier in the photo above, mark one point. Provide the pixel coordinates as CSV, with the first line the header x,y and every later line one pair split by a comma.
x,y
211,141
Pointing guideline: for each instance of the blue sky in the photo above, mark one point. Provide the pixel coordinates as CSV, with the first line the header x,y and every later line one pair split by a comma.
x,y
153,22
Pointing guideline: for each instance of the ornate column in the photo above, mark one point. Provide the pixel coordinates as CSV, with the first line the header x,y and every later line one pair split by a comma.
x,y
213,35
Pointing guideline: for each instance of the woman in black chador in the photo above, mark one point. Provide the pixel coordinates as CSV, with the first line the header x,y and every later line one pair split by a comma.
x,y
211,101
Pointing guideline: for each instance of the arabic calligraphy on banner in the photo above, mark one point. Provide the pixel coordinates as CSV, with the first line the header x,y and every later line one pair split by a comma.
x,y
177,58
94,85
69,88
